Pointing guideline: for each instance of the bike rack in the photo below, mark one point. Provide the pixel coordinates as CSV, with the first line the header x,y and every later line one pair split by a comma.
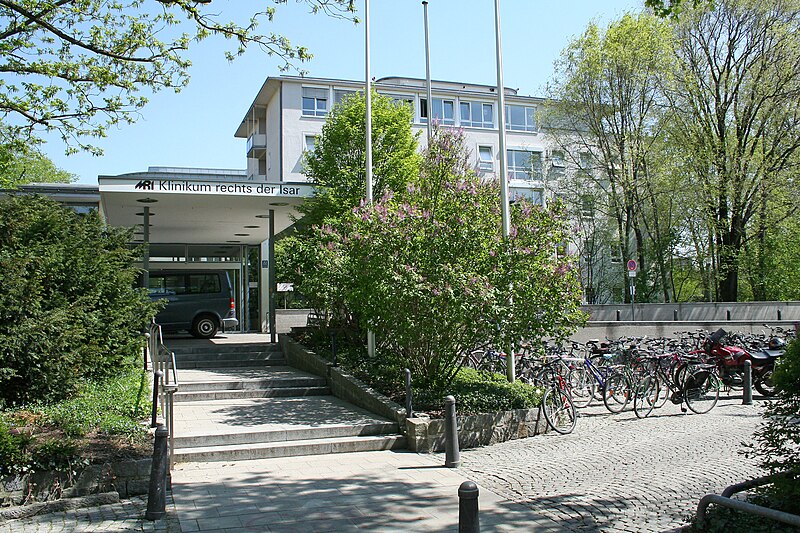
x,y
725,501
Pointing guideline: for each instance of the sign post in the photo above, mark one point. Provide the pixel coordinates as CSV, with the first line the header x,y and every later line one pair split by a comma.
x,y
632,267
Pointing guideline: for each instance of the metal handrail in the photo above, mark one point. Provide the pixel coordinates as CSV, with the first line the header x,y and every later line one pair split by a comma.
x,y
725,500
165,370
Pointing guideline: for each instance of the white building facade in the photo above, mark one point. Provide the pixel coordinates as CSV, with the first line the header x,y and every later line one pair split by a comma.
x,y
288,113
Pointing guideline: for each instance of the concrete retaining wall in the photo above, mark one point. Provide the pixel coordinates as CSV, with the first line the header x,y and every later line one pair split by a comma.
x,y
128,478
697,312
613,330
426,436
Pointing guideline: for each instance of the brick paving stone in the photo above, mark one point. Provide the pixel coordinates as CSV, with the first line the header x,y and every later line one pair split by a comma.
x,y
619,473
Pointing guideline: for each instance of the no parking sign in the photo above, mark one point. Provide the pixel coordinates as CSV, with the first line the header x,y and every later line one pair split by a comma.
x,y
632,266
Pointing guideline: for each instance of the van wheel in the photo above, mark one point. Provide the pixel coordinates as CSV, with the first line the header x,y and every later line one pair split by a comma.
x,y
205,327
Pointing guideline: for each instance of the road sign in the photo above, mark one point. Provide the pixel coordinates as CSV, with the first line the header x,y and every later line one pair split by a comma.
x,y
632,265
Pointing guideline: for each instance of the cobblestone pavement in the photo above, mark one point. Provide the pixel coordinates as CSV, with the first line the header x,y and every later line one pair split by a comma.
x,y
127,515
619,473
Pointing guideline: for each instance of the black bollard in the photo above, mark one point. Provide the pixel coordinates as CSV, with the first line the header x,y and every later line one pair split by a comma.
x,y
675,315
747,391
157,494
727,314
619,315
452,457
156,381
468,519
779,315
409,410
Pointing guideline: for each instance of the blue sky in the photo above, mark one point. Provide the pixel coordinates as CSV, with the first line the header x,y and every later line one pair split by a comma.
x,y
195,127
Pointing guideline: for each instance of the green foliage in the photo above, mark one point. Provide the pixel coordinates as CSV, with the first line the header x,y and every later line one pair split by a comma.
x,y
428,272
79,66
68,309
480,392
29,166
112,406
337,165
13,448
777,441
52,436
338,162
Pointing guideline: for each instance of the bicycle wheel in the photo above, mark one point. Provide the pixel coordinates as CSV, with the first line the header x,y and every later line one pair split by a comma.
x,y
559,410
645,396
701,390
663,394
581,386
617,392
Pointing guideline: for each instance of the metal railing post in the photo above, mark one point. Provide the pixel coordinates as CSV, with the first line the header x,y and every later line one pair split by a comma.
x,y
747,391
409,410
468,519
451,452
156,383
156,496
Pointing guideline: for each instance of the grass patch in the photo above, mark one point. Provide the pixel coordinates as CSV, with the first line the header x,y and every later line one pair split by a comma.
x,y
102,422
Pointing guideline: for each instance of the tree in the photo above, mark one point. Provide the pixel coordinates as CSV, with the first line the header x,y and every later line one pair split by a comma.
x,y
337,165
68,307
736,101
427,270
30,166
79,66
609,107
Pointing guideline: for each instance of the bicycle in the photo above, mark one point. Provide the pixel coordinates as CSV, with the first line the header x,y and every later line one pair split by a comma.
x,y
687,381
557,405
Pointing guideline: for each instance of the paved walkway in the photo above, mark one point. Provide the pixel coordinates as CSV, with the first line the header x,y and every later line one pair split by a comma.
x,y
614,473
619,473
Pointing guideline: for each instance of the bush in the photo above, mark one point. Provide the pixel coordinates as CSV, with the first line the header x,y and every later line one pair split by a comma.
x,y
13,449
68,309
480,392
777,442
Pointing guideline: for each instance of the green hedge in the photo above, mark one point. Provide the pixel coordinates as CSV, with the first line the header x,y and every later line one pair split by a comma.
x,y
68,307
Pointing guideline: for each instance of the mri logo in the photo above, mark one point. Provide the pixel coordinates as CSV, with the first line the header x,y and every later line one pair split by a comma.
x,y
145,185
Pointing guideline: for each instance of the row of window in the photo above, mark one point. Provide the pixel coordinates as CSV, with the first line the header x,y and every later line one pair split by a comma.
x,y
471,114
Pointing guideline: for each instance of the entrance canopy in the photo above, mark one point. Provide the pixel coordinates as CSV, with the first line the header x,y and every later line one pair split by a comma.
x,y
200,206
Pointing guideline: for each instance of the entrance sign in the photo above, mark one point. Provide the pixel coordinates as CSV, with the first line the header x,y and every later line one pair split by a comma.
x,y
222,188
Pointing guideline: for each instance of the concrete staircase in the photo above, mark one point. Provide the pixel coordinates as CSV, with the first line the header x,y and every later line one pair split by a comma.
x,y
250,405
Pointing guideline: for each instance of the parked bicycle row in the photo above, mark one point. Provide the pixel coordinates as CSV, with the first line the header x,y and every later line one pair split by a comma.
x,y
689,370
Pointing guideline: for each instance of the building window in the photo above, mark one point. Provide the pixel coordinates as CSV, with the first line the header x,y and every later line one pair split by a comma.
x,y
557,165
524,165
477,115
340,94
443,111
403,99
535,196
315,102
485,159
310,142
587,206
520,118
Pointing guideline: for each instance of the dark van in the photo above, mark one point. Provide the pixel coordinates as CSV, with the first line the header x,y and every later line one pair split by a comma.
x,y
199,301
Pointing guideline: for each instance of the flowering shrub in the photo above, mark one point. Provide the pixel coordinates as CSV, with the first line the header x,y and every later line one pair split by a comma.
x,y
427,269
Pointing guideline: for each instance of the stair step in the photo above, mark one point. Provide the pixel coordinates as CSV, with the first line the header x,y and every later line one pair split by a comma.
x,y
252,384
268,450
289,435
231,364
182,349
232,394
237,356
